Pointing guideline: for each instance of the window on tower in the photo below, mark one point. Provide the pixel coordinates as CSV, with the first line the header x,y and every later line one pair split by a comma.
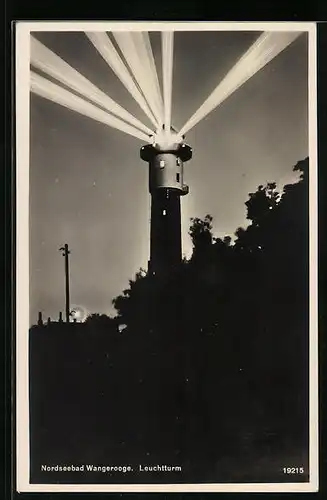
x,y
162,163
177,177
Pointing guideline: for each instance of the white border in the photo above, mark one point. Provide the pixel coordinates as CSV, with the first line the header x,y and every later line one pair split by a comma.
x,y
23,30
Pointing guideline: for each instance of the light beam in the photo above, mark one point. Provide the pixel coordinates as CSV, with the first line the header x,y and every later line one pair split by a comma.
x,y
48,62
265,48
49,90
143,45
106,49
130,52
167,44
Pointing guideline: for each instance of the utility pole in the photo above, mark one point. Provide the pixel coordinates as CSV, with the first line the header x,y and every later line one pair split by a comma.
x,y
65,253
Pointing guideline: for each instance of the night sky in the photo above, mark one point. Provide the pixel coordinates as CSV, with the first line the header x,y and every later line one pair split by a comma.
x,y
89,187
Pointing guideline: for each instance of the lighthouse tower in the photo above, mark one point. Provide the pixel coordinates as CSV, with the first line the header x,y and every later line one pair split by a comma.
x,y
166,157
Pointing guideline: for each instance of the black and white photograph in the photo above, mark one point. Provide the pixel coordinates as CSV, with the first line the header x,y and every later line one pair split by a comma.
x,y
166,309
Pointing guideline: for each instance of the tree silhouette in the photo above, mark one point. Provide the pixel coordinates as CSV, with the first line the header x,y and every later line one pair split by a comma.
x,y
243,306
100,320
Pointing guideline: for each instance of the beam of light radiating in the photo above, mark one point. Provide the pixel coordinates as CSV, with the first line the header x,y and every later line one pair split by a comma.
x,y
106,49
130,52
48,62
143,46
49,90
148,47
167,44
264,49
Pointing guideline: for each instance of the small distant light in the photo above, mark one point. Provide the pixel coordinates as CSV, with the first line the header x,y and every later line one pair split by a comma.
x,y
164,212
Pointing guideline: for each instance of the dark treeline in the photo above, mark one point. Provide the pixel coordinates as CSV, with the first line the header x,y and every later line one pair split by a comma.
x,y
210,370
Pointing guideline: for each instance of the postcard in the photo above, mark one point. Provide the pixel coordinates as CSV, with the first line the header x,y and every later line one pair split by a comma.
x,y
166,257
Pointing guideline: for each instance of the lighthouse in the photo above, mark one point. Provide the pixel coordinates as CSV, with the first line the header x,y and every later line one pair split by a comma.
x,y
166,157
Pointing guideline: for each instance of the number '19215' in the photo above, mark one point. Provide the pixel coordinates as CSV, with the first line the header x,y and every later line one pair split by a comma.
x,y
293,470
